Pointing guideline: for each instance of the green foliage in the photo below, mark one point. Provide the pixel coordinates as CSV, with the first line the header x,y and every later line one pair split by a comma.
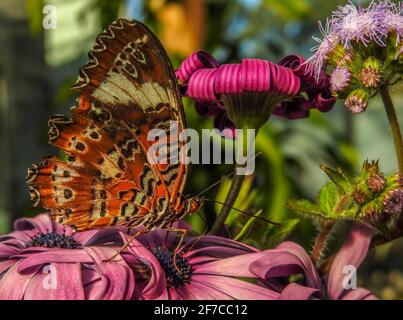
x,y
333,202
359,197
35,16
289,9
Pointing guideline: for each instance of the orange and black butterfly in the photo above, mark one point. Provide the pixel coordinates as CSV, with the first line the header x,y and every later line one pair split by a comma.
x,y
127,88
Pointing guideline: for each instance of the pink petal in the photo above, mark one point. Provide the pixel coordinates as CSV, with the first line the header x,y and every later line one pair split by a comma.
x,y
157,283
14,283
116,273
295,291
324,101
7,251
237,266
197,60
210,241
4,265
229,79
255,75
214,251
352,253
287,259
54,256
100,237
199,291
66,284
359,294
201,85
234,288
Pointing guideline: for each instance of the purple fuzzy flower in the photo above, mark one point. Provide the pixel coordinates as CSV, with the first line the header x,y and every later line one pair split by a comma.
x,y
209,268
290,259
315,64
42,259
360,24
339,79
394,19
355,24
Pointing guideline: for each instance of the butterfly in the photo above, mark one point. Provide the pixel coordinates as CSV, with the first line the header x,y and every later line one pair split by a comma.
x,y
126,89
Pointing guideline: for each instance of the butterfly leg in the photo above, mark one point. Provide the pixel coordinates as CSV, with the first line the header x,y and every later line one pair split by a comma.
x,y
184,233
197,240
138,233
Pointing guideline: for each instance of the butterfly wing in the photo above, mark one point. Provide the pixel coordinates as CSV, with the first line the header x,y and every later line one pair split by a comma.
x,y
126,89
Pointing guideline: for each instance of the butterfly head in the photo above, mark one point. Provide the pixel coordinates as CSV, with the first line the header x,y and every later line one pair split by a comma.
x,y
193,204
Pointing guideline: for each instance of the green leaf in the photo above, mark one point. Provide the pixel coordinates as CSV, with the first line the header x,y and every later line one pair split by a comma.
x,y
339,178
307,209
327,199
247,227
246,197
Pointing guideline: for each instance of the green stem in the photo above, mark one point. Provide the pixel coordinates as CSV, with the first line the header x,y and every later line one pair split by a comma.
x,y
235,188
394,124
229,202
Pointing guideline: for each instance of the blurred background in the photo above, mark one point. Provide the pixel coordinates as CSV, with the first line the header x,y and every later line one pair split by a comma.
x,y
38,65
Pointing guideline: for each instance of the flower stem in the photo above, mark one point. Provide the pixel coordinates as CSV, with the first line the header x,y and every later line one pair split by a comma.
x,y
229,202
394,124
235,188
321,241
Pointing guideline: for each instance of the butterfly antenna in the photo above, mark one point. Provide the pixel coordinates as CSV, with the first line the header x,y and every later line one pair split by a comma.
x,y
245,212
214,184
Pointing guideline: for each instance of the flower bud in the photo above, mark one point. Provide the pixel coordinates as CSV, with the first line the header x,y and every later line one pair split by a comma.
x,y
339,79
340,56
374,215
357,101
359,196
371,73
393,201
376,183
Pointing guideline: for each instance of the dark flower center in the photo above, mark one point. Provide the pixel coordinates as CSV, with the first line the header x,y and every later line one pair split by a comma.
x,y
53,240
177,269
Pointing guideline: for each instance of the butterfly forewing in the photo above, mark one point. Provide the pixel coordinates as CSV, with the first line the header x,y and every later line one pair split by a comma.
x,y
126,89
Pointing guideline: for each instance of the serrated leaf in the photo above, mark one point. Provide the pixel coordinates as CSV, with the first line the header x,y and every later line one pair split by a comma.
x,y
307,210
304,207
339,178
327,199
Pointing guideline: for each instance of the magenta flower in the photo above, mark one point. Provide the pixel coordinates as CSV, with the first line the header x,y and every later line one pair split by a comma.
x,y
42,259
314,92
207,267
248,92
289,258
266,88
